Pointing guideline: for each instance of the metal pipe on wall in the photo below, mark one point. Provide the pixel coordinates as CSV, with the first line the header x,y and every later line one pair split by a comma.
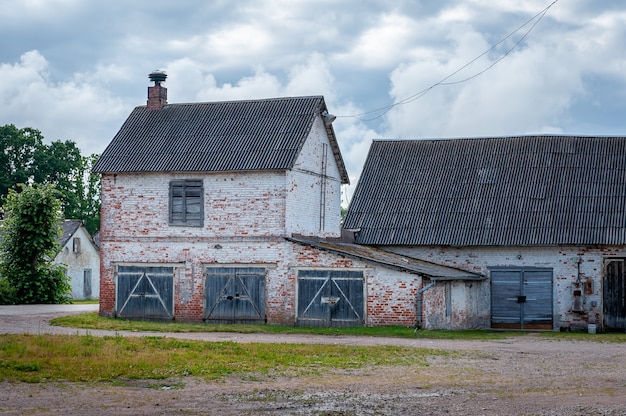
x,y
420,294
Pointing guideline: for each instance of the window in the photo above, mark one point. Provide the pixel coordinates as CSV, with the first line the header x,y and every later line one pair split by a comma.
x,y
76,245
186,203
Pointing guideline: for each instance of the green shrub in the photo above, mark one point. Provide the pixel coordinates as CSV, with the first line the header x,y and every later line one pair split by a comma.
x,y
7,292
28,243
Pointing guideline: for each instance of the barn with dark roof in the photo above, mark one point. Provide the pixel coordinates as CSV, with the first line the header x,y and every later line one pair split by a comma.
x,y
543,217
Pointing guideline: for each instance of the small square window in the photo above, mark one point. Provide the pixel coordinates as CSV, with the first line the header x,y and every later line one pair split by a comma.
x,y
186,203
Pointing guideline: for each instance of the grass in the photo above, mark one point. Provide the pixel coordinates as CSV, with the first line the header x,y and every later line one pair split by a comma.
x,y
608,337
92,320
37,358
85,302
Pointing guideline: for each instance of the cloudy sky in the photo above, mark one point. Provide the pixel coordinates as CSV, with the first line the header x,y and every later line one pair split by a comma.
x,y
74,69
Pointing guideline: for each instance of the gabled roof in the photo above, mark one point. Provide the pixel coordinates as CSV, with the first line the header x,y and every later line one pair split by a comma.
x,y
251,135
394,261
510,191
69,228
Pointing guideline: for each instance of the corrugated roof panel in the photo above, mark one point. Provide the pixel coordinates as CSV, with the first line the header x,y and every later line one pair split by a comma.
x,y
396,261
530,190
220,136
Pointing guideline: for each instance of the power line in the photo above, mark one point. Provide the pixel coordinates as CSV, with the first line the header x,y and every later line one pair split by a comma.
x,y
535,20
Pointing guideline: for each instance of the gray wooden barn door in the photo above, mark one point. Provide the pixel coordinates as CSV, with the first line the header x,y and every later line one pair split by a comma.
x,y
521,298
614,295
235,295
145,292
330,298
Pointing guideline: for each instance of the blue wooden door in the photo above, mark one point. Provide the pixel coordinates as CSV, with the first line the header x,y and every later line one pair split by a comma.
x,y
330,298
235,295
145,292
521,298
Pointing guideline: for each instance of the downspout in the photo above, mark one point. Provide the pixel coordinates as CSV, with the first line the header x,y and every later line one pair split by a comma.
x,y
420,294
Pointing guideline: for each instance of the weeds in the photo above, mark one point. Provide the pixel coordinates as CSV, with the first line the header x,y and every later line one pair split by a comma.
x,y
93,321
34,358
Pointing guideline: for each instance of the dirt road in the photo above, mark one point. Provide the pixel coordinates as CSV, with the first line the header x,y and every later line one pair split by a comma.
x,y
520,376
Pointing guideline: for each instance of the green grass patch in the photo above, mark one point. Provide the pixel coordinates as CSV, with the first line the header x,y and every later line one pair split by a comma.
x,y
605,337
470,335
37,358
92,320
86,302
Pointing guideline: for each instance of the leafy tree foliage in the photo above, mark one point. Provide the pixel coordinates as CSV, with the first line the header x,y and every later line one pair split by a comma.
x,y
18,150
29,241
86,206
24,158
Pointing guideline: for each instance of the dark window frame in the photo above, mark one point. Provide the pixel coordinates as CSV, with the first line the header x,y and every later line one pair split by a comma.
x,y
76,245
186,203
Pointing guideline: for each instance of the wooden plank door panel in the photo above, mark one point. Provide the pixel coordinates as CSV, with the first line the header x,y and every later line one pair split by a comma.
x,y
521,298
614,295
145,292
330,298
235,295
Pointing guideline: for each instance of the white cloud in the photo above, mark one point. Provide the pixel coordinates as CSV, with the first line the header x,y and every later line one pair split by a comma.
x,y
90,73
78,109
528,90
384,44
312,77
189,81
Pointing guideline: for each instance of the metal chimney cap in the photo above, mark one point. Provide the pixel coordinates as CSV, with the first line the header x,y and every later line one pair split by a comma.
x,y
157,77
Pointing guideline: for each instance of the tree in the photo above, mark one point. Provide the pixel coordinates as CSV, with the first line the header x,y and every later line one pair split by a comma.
x,y
18,151
88,189
24,158
59,164
29,242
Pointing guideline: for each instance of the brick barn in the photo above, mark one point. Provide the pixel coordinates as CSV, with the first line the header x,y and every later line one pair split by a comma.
x,y
230,212
542,217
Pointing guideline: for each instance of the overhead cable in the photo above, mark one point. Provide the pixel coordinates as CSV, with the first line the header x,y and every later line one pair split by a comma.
x,y
534,20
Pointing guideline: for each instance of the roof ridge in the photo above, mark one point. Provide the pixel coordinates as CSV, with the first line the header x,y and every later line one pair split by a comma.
x,y
250,100
442,139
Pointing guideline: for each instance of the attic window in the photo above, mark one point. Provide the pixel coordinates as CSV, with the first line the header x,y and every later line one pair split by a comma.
x,y
186,203
76,245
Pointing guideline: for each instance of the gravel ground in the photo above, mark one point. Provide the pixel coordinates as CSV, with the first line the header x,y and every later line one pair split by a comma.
x,y
520,376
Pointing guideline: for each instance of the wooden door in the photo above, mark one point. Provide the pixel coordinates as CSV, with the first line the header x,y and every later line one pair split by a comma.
x,y
330,298
145,292
521,298
614,295
235,295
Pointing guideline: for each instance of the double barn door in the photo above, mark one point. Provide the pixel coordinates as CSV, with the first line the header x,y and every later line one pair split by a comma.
x,y
235,295
145,292
521,298
330,298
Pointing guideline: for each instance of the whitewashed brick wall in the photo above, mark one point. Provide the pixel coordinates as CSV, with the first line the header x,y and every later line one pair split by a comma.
x,y
238,204
560,259
391,295
303,200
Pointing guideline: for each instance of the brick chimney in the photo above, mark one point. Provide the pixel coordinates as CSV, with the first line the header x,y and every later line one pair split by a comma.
x,y
157,95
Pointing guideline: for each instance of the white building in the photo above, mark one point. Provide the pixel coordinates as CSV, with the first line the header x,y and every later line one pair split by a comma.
x,y
82,258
